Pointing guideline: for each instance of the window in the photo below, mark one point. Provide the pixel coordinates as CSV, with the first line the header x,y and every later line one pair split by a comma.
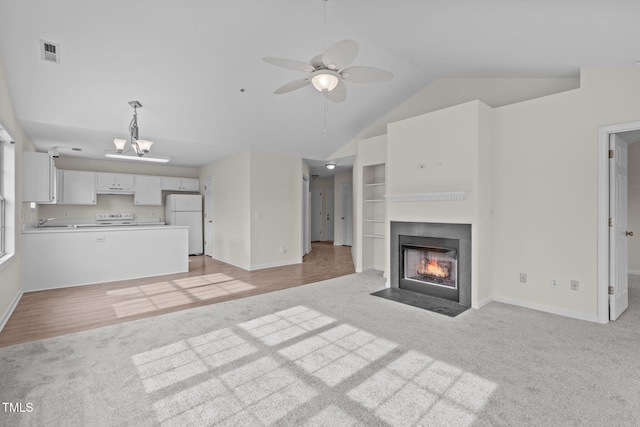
x,y
7,196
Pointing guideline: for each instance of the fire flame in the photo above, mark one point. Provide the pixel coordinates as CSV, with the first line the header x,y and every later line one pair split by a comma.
x,y
432,268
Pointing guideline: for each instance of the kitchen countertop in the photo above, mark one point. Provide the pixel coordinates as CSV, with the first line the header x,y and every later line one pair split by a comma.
x,y
100,228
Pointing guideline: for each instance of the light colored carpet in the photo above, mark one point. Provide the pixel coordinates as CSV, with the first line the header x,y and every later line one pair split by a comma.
x,y
329,354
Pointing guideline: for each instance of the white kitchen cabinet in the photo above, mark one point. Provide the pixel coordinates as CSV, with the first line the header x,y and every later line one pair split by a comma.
x,y
78,187
171,183
114,183
148,190
39,178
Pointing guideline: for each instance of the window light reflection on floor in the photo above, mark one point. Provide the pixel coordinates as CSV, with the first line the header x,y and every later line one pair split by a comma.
x,y
233,376
174,293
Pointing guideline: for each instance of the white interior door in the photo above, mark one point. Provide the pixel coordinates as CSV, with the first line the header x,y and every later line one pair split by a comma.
x,y
316,215
208,216
618,232
306,244
330,214
346,214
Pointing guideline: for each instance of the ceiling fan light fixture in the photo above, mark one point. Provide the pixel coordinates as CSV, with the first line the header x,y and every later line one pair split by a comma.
x,y
325,80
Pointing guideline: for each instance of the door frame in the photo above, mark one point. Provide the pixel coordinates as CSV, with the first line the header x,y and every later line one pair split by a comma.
x,y
207,216
604,133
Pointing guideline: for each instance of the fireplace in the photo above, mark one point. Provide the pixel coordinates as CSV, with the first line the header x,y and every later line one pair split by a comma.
x,y
432,259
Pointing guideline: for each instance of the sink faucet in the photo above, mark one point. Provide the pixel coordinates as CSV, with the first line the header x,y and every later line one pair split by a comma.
x,y
42,222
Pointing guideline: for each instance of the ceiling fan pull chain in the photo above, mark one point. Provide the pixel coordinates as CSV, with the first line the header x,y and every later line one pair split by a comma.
x,y
326,109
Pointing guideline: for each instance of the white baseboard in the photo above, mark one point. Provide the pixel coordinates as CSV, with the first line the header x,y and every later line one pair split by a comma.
x,y
255,267
9,311
548,309
483,303
276,264
634,272
228,261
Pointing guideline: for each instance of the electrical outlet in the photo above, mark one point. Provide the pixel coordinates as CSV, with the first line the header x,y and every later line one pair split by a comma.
x,y
283,249
523,277
575,285
553,282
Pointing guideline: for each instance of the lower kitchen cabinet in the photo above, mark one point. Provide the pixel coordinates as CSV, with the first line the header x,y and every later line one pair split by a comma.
x,y
82,256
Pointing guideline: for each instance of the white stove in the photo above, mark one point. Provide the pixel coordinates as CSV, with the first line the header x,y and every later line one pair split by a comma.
x,y
114,219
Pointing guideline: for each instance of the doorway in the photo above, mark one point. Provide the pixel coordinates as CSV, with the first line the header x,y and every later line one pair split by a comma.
x,y
306,242
316,214
330,214
208,216
346,214
612,218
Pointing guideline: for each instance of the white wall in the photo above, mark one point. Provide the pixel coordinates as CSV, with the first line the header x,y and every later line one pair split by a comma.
x,y
10,272
231,209
443,93
276,210
545,197
257,209
440,152
634,206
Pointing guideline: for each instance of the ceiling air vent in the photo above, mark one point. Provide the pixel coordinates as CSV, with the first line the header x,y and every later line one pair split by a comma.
x,y
50,51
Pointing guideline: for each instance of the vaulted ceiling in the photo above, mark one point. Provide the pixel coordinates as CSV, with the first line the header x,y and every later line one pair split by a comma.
x,y
196,65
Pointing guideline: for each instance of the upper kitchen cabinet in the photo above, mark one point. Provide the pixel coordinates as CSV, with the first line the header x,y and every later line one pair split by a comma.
x,y
38,178
180,184
148,190
78,187
115,183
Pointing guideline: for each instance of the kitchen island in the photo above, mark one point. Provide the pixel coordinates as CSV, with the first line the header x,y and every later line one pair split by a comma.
x,y
58,257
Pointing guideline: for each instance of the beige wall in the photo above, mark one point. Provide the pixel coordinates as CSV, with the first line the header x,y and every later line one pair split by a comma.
x,y
443,93
634,207
545,210
276,210
231,209
440,152
10,272
257,209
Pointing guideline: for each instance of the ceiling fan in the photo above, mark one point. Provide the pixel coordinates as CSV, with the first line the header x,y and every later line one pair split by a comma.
x,y
329,72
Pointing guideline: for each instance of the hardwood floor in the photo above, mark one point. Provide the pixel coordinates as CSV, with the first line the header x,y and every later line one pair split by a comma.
x,y
51,313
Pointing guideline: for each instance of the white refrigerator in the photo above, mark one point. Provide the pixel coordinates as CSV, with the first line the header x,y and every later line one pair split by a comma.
x,y
186,209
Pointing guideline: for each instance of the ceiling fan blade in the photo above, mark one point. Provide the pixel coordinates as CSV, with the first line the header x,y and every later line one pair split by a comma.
x,y
291,64
296,84
359,74
339,55
339,93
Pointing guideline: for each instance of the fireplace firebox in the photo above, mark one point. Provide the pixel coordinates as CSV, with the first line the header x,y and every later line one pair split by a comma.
x,y
432,259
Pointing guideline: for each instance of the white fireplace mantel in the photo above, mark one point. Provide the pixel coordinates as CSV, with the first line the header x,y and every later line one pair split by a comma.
x,y
428,197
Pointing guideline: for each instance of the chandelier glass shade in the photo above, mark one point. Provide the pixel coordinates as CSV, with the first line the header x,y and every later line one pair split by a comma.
x,y
139,147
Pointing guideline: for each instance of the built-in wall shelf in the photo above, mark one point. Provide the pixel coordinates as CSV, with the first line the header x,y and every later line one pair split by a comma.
x,y
374,214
